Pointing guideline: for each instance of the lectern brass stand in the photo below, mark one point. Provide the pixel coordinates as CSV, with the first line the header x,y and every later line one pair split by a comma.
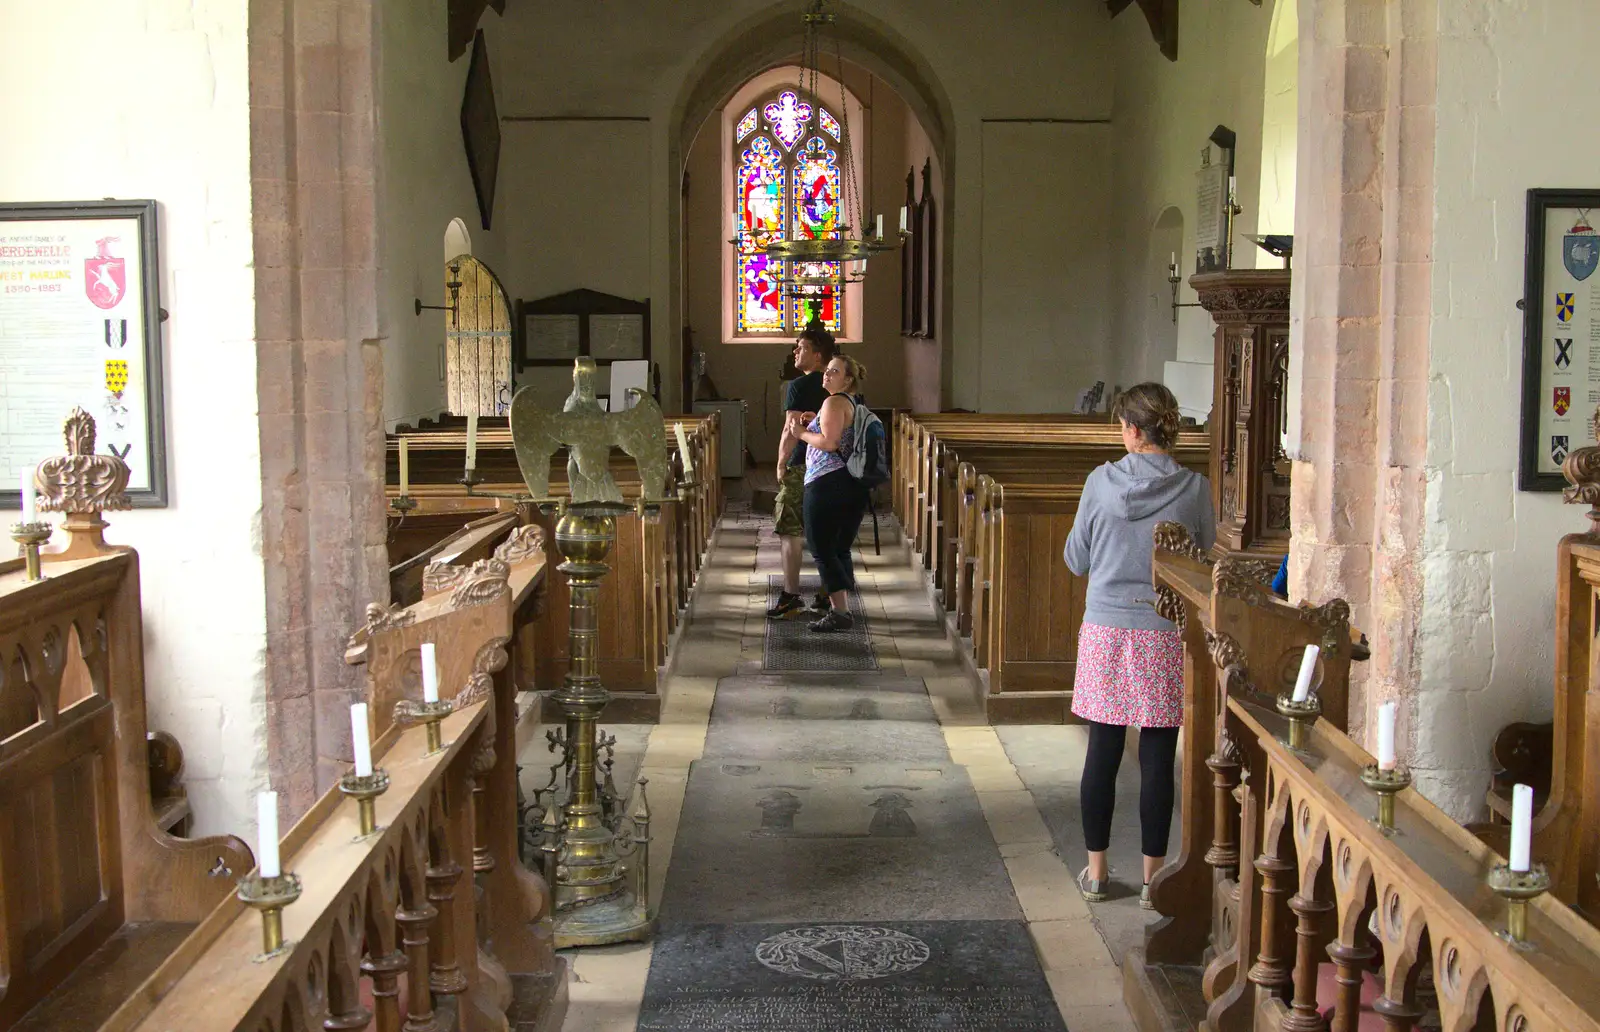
x,y
600,896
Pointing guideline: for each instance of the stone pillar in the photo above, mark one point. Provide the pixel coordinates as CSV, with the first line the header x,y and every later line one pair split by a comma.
x,y
313,189
1363,297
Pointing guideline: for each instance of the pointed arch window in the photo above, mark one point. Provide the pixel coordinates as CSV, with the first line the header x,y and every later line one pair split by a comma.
x,y
787,186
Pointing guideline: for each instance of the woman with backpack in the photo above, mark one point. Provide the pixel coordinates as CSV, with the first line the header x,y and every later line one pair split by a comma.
x,y
835,498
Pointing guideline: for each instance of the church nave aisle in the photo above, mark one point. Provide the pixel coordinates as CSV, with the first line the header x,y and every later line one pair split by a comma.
x,y
839,849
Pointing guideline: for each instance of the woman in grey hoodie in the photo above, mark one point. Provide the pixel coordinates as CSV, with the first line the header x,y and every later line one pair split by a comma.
x,y
1130,660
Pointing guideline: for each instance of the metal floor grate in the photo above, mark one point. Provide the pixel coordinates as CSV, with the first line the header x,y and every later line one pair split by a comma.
x,y
792,645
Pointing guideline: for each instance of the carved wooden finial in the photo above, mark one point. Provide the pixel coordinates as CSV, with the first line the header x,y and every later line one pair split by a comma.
x,y
1582,470
82,485
80,433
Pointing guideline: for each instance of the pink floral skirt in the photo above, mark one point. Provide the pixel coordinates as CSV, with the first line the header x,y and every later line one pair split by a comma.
x,y
1129,676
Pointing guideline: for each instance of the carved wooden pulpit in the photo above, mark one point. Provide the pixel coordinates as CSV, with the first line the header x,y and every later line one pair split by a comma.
x,y
1249,470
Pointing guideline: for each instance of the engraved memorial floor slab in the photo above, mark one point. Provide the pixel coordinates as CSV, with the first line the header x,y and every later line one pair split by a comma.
x,y
792,645
856,718
834,841
951,976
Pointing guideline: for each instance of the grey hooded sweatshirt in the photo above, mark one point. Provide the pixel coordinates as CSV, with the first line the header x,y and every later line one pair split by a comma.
x,y
1113,534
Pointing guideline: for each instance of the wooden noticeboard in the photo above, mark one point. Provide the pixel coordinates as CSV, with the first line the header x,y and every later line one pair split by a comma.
x,y
555,330
80,326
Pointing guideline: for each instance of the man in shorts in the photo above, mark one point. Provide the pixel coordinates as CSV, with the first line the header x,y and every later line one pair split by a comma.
x,y
812,351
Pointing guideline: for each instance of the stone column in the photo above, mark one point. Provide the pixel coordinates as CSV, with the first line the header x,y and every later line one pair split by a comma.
x,y
1363,297
313,190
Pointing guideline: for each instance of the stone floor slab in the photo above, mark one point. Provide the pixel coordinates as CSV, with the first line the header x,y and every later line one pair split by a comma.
x,y
827,841
856,718
956,976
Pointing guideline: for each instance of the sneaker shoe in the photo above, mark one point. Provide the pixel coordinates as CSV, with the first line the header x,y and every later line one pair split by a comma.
x,y
787,604
1144,897
1093,891
820,604
833,620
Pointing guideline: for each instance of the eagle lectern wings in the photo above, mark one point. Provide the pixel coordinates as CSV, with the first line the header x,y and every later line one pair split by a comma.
x,y
589,433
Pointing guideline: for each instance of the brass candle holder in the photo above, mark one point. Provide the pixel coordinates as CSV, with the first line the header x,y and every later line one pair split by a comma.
x,y
268,896
1517,888
30,536
1386,783
365,791
403,504
432,714
1301,716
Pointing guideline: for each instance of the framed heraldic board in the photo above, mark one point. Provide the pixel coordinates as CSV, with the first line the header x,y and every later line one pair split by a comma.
x,y
555,330
1560,333
80,327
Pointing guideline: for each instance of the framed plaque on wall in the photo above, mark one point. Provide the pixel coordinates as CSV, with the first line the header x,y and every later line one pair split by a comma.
x,y
557,329
80,327
1560,333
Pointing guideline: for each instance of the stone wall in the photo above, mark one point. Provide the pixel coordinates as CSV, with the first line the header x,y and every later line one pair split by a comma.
x,y
145,99
1488,577
314,179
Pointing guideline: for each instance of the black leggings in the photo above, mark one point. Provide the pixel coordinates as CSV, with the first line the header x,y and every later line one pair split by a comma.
x,y
834,505
1158,751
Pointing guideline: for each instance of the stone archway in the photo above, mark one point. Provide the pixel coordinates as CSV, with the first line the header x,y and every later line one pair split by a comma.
x,y
1361,322
320,376
773,38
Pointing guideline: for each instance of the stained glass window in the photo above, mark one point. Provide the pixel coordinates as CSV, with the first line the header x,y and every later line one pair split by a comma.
x,y
788,183
789,117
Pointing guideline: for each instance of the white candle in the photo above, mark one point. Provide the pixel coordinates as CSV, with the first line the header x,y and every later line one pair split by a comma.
x,y
683,449
30,502
1233,183
1173,264
880,227
738,224
361,738
430,673
1308,666
1386,736
267,824
905,219
1521,827
472,440
405,466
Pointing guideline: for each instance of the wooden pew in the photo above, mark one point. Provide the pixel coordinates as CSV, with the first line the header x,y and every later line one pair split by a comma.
x,y
1561,759
93,892
437,894
655,562
998,503
1285,906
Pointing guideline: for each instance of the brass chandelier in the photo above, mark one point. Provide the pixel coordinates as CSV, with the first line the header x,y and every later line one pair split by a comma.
x,y
839,247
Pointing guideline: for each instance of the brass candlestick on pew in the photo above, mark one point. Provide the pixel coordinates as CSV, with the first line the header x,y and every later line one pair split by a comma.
x,y
1518,889
30,536
365,791
1387,784
268,897
1301,716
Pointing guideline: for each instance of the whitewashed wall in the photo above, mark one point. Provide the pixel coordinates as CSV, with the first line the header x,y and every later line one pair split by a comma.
x,y
424,184
637,58
1163,115
1504,125
148,99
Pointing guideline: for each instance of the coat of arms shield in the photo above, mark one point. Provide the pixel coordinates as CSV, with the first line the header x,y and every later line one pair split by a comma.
x,y
1562,400
1580,250
105,276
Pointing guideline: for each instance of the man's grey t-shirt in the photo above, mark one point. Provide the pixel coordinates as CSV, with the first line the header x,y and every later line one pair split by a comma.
x,y
805,394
